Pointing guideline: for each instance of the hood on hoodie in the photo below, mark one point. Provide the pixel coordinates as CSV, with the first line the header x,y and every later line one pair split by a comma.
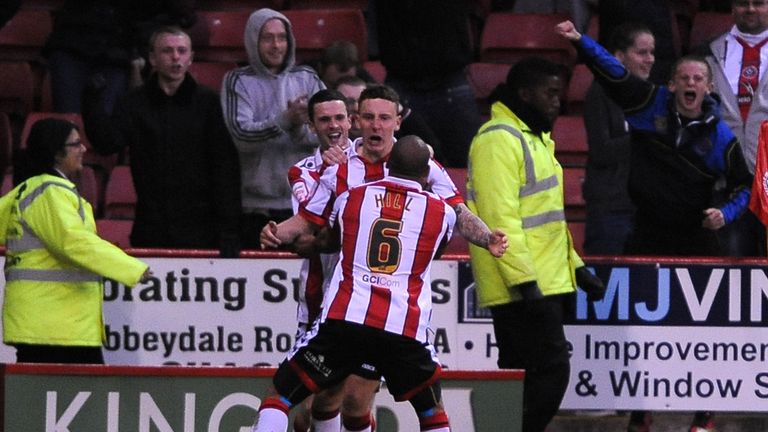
x,y
252,31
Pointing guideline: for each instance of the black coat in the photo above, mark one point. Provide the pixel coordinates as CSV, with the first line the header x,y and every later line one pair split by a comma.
x,y
185,167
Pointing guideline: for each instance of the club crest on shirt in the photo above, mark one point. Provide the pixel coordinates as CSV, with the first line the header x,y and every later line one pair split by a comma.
x,y
660,123
300,191
749,72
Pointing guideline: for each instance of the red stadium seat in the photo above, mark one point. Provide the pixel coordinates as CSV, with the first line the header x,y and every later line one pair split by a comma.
x,y
89,188
575,206
459,177
218,35
578,85
17,88
508,37
210,74
570,137
22,38
116,231
120,195
7,184
376,69
707,26
458,244
315,29
483,78
577,233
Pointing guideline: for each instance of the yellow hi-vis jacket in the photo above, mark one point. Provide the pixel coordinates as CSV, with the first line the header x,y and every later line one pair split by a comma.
x,y
54,263
515,184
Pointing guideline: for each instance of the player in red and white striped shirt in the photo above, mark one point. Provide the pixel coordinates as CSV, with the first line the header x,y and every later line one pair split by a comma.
x,y
380,280
378,305
328,119
364,162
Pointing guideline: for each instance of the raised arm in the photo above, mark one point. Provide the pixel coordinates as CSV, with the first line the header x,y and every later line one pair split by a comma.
x,y
631,93
568,30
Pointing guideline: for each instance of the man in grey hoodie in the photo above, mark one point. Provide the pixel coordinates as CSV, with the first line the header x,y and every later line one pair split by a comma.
x,y
265,110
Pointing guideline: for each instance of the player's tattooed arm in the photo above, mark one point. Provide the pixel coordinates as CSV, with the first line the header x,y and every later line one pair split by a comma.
x,y
477,232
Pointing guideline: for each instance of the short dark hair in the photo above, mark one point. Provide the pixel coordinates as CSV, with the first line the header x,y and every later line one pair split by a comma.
x,y
166,29
324,95
352,80
341,53
532,72
623,36
380,91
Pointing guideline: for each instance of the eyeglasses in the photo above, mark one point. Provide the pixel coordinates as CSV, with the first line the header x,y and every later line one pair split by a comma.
x,y
77,143
744,4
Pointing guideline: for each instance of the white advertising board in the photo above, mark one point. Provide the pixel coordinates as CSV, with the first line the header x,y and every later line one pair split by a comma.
x,y
677,337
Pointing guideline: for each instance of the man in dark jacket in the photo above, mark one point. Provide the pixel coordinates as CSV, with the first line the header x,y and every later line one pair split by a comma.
x,y
184,165
680,147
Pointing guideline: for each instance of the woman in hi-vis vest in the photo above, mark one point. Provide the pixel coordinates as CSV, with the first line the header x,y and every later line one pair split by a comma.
x,y
54,260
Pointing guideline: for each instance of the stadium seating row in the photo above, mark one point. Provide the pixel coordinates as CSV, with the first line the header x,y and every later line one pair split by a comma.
x,y
218,34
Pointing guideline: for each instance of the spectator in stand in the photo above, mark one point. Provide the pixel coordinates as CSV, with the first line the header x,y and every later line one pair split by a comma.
x,y
610,212
425,47
657,15
265,110
351,87
184,165
340,60
673,168
675,163
103,39
739,77
55,262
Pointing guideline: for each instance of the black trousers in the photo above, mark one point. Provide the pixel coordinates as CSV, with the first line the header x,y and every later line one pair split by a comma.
x,y
530,336
58,354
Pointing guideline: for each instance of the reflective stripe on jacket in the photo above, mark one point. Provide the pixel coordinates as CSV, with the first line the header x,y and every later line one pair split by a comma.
x,y
54,265
515,184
